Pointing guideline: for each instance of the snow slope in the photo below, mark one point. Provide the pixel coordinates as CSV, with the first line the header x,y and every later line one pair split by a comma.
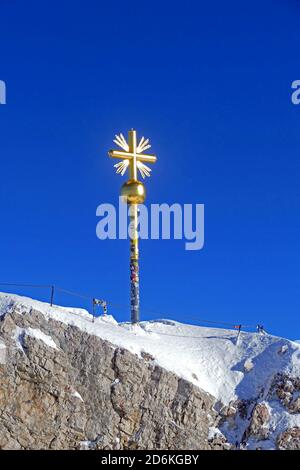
x,y
209,358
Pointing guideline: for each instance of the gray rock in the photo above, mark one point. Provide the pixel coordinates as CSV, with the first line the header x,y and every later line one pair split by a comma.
x,y
289,439
88,393
259,422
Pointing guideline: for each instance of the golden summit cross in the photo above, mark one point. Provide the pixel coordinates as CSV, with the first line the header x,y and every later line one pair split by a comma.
x,y
133,193
132,155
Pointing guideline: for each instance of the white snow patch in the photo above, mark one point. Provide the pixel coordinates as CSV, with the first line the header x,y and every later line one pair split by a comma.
x,y
18,337
38,334
214,432
115,382
248,365
19,334
85,445
2,353
77,395
108,319
283,349
5,304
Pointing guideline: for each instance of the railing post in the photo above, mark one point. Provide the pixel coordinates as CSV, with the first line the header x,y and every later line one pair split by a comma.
x,y
52,296
94,304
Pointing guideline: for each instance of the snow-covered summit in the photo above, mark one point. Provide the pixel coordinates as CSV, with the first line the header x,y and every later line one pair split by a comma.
x,y
254,377
210,358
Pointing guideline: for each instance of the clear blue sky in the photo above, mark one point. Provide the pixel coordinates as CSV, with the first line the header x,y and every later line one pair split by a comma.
x,y
210,84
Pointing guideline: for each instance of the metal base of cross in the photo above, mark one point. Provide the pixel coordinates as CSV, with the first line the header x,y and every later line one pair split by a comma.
x,y
134,291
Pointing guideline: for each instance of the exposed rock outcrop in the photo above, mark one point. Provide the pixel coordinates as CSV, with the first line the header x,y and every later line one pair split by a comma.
x,y
259,422
61,388
289,439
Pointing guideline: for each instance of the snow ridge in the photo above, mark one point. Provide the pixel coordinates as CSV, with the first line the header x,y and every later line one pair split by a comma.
x,y
207,357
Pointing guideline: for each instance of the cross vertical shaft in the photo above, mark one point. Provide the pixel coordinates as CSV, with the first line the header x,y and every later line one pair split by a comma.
x,y
134,265
132,150
134,241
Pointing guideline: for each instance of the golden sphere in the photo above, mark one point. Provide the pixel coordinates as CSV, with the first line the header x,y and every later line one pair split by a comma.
x,y
133,192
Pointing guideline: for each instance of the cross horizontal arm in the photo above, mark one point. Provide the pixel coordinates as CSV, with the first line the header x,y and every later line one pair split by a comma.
x,y
119,154
146,158
140,157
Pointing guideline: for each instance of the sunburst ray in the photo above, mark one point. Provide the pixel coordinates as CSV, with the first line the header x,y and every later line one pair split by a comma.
x,y
143,145
122,166
121,142
144,169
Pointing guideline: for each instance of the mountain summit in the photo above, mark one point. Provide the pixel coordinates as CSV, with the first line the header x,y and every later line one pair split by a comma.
x,y
68,381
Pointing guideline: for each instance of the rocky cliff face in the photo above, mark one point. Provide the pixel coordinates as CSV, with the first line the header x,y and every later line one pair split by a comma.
x,y
72,390
64,388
